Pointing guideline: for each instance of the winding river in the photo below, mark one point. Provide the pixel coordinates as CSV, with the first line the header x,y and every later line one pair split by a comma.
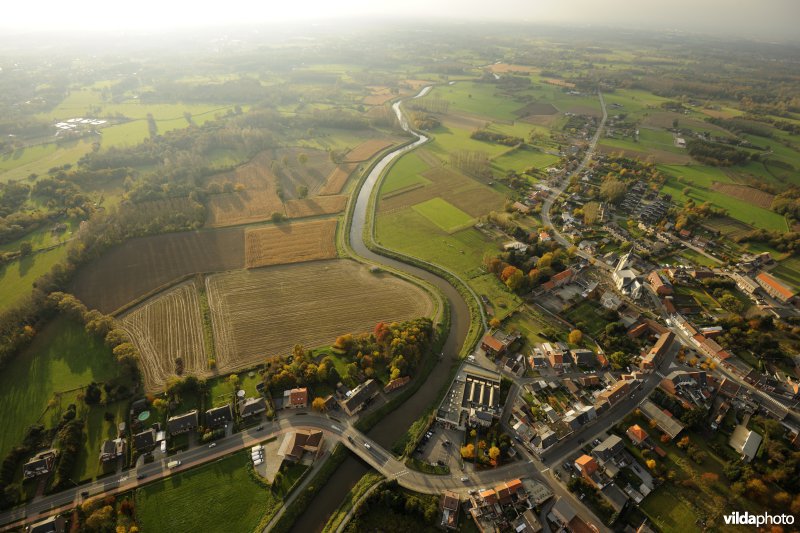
x,y
396,423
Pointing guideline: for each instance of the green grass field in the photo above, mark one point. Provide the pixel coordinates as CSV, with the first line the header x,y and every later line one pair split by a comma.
x,y
61,357
405,173
444,214
127,134
218,497
699,180
96,429
447,140
409,232
789,270
21,163
17,277
477,99
523,159
502,300
41,238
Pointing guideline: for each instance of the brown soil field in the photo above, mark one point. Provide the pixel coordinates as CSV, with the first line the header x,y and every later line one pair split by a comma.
x,y
139,266
467,194
541,120
261,179
536,109
505,68
319,205
748,194
367,149
380,95
336,179
587,110
263,313
165,328
464,121
290,243
659,156
558,82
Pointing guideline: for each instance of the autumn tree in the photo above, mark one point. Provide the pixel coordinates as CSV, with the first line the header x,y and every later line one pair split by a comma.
x,y
651,464
494,323
612,189
318,404
468,451
494,453
575,336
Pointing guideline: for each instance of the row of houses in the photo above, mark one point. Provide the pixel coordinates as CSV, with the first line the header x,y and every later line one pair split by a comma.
x,y
558,356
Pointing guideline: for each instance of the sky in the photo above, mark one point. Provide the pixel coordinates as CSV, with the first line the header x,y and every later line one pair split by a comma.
x,y
760,19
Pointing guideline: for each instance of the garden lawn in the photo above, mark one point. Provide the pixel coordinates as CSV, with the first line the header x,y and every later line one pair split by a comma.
x,y
61,357
96,430
444,214
17,277
218,497
502,300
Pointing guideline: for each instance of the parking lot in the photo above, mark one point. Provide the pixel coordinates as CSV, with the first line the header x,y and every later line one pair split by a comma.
x,y
435,451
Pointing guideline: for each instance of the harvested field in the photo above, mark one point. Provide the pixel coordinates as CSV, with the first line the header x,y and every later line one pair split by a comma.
x,y
465,193
505,68
380,95
292,173
140,266
559,83
367,149
748,194
244,207
319,205
729,227
290,243
265,312
536,108
336,179
164,329
463,121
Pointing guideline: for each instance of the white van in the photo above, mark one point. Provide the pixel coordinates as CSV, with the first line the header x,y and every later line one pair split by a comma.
x,y
173,464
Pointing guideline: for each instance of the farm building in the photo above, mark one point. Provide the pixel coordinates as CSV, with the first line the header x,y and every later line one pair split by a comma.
x,y
664,421
218,416
474,397
182,423
776,288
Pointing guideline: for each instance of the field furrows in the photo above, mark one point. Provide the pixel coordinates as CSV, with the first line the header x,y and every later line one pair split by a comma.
x,y
262,313
319,205
290,243
336,179
367,149
167,328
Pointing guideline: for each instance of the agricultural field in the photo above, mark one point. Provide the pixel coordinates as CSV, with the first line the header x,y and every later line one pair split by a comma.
x,y
336,180
290,243
167,328
202,505
18,276
21,163
480,99
445,215
405,173
61,358
367,149
262,313
141,266
789,270
319,205
467,194
747,194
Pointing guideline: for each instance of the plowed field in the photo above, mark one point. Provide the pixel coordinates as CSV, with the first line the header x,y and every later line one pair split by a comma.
x,y
290,243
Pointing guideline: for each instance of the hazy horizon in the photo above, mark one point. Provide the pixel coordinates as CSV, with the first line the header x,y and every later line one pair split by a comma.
x,y
770,20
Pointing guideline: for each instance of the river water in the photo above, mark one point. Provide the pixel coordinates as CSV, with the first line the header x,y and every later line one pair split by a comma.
x,y
396,423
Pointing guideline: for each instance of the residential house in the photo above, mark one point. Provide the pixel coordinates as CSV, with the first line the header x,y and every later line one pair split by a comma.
x,y
295,398
219,416
395,384
664,419
299,442
589,381
360,396
182,423
586,465
145,440
521,208
54,524
252,407
610,448
614,393
746,442
661,346
497,342
746,284
449,503
661,286
637,435
110,450
583,357
610,301
40,464
775,287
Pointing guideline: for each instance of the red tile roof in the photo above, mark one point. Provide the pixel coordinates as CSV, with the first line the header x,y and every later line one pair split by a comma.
x,y
779,287
637,433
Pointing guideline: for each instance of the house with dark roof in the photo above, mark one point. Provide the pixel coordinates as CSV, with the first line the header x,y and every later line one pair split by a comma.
x,y
300,442
40,464
219,416
54,524
360,396
110,450
449,503
583,357
609,448
145,441
252,407
182,423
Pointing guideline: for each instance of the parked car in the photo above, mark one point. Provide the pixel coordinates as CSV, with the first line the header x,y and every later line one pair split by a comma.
x,y
212,445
